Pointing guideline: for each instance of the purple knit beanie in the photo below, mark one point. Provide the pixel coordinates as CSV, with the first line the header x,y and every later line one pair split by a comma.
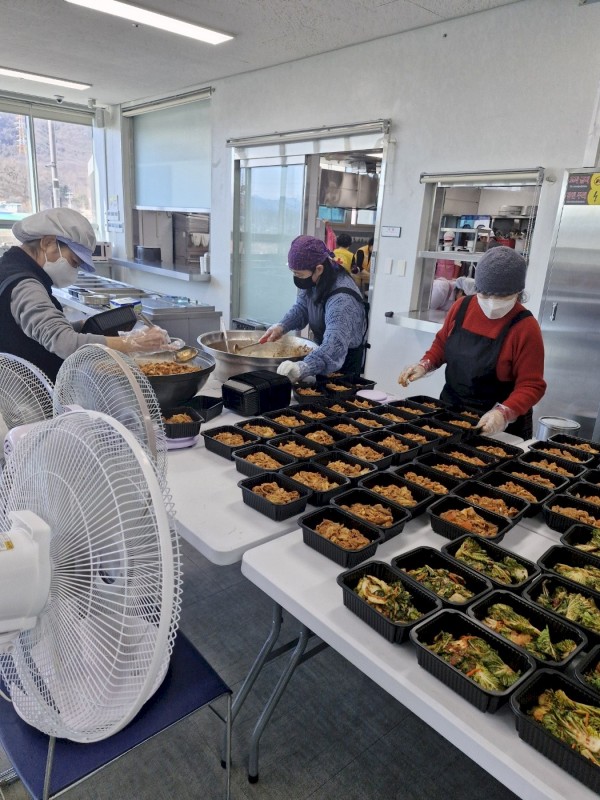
x,y
306,252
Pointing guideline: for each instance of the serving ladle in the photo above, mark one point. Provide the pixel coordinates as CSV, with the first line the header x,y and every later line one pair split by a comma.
x,y
183,354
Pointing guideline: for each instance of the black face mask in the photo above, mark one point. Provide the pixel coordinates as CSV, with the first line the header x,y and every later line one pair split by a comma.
x,y
304,283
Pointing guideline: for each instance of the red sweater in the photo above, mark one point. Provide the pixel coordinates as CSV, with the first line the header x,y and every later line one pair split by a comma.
x,y
521,358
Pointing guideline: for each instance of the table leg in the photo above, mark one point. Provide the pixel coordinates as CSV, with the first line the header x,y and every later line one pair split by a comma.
x,y
265,716
250,679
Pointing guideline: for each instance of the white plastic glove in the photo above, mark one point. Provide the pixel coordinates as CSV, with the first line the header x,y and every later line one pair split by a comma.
x,y
291,369
272,334
145,340
496,420
412,373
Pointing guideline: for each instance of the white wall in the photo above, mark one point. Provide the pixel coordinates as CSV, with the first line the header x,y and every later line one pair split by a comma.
x,y
510,88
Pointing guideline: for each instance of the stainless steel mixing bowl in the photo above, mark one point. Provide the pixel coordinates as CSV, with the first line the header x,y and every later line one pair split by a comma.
x,y
263,356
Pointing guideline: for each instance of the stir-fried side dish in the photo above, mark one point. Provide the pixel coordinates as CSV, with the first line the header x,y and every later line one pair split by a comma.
x,y
291,422
376,514
508,570
346,427
397,494
566,454
337,408
547,482
345,468
437,431
260,430
577,514
262,460
321,437
495,504
519,491
315,480
390,599
593,543
364,404
307,391
407,410
370,423
426,483
155,369
394,444
450,469
275,494
587,498
572,605
576,724
295,449
342,535
477,659
393,417
551,466
587,576
365,452
475,460
445,583
504,620
308,412
232,439
492,450
462,423
469,519
177,419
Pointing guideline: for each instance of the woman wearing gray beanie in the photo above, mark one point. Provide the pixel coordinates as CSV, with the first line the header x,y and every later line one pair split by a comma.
x,y
492,347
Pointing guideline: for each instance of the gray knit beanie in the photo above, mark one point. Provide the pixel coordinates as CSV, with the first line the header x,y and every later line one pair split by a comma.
x,y
500,272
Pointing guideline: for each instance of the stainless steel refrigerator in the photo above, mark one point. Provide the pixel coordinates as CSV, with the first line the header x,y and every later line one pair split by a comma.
x,y
570,310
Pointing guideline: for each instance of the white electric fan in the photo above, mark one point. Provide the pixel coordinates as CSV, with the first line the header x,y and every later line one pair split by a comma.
x,y
97,378
25,393
90,581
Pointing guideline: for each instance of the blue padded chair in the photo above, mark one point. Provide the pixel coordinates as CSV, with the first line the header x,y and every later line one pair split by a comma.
x,y
49,766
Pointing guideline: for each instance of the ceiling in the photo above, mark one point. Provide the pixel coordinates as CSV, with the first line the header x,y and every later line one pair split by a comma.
x,y
126,63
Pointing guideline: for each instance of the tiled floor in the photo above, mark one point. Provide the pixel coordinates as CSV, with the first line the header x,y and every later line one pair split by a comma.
x,y
334,734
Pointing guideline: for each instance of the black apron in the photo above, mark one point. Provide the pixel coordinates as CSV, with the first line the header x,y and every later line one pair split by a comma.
x,y
355,357
471,370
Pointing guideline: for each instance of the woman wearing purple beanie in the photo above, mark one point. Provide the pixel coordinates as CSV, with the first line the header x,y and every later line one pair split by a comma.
x,y
492,347
331,304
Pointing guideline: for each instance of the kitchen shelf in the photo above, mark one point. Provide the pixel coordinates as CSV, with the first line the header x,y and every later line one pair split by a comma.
x,y
178,273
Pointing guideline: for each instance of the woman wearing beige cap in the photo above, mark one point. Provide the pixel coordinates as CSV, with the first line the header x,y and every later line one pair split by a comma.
x,y
55,244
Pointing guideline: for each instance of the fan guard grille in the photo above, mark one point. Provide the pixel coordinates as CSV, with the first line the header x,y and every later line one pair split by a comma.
x,y
102,644
97,378
25,392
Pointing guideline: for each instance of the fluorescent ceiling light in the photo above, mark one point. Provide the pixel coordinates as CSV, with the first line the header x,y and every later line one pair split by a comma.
x,y
31,76
154,20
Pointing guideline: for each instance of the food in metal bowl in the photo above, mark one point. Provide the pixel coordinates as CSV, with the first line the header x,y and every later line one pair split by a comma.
x,y
156,368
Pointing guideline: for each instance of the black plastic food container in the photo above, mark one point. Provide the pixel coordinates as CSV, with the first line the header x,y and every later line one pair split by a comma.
x,y
497,479
400,515
381,463
425,472
532,732
339,455
451,531
432,404
207,407
559,483
412,410
395,632
252,393
335,422
532,456
433,558
309,393
552,582
372,422
458,624
433,460
470,488
313,412
342,556
577,535
315,428
422,497
476,442
275,511
337,387
289,438
222,449
587,490
248,468
358,403
338,406
182,430
464,424
561,522
577,443
559,554
497,553
591,476
588,663
425,442
398,456
446,434
583,459
559,629
393,415
319,497
460,453
261,422
282,413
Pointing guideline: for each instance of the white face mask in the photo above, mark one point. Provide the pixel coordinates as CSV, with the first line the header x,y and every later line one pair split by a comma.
x,y
60,271
496,307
